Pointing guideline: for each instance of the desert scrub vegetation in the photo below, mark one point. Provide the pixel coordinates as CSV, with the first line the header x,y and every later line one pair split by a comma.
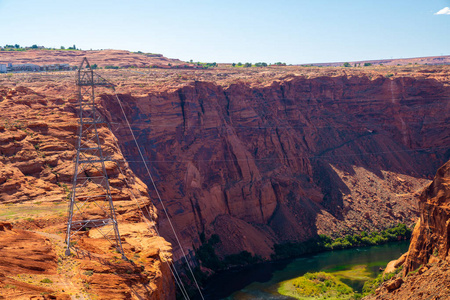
x,y
318,285
323,242
17,47
46,280
207,256
371,285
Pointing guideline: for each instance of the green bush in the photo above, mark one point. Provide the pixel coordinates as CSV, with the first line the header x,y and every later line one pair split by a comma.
x,y
260,64
318,285
208,257
206,253
323,242
111,67
241,259
371,285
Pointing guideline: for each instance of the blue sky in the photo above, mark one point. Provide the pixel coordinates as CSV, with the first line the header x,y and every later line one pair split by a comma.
x,y
291,31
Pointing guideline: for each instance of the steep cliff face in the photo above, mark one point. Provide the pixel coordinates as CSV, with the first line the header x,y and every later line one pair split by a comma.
x,y
431,236
259,165
426,269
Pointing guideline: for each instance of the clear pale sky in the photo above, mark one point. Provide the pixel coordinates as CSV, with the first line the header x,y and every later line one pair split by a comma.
x,y
291,31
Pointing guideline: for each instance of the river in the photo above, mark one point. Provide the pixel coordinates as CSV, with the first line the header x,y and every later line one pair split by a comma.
x,y
262,281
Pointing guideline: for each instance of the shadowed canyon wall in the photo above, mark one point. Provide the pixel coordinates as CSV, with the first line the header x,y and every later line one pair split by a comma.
x,y
260,165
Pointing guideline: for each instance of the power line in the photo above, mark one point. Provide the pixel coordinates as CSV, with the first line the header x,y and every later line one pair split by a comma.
x,y
159,197
172,268
288,158
339,101
239,126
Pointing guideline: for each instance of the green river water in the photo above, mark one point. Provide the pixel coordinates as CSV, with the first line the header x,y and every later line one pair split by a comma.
x,y
353,266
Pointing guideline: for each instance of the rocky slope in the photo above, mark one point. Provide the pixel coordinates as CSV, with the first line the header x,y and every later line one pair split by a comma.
x,y
283,160
37,137
426,270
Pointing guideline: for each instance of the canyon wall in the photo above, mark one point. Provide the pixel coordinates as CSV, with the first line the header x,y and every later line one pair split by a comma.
x,y
431,236
426,266
265,164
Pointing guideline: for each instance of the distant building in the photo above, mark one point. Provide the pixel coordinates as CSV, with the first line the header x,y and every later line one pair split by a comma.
x,y
57,67
34,68
25,67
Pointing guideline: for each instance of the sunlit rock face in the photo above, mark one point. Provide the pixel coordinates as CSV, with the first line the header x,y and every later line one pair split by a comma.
x,y
38,133
431,236
283,161
426,265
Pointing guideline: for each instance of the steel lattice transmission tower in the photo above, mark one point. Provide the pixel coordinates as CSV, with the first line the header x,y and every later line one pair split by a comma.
x,y
91,205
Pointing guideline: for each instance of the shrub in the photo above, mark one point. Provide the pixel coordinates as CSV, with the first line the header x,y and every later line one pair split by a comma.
x,y
323,242
261,64
241,259
10,286
207,254
318,285
371,285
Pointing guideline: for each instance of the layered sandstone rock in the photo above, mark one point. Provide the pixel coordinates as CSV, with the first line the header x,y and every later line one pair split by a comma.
x,y
37,147
426,265
256,156
26,253
431,236
283,161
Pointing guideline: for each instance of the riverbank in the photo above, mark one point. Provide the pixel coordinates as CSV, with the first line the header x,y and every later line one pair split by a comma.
x,y
212,265
325,243
352,267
